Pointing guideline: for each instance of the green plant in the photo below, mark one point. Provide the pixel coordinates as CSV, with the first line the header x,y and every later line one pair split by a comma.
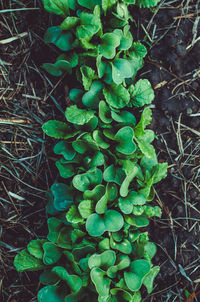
x,y
97,248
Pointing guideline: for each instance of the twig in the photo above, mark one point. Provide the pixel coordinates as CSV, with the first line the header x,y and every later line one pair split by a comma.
x,y
14,38
13,121
10,198
3,11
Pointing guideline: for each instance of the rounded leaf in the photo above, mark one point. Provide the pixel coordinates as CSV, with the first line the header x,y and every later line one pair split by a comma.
x,y
105,259
95,225
113,221
58,129
62,196
26,262
125,138
64,148
101,283
86,180
51,253
108,45
78,116
62,39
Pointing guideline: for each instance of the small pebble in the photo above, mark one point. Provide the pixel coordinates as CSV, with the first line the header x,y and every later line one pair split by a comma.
x,y
181,50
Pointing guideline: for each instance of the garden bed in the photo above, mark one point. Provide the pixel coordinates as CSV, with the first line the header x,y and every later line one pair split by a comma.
x,y
29,97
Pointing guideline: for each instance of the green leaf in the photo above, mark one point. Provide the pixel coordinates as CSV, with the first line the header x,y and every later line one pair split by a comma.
x,y
84,143
152,211
88,75
102,284
104,244
84,181
146,191
73,281
52,293
138,210
63,197
58,129
26,262
105,259
123,262
89,47
137,221
94,194
104,113
148,163
114,174
109,43
160,172
95,161
54,226
149,250
64,148
59,233
146,148
86,208
125,205
78,116
65,169
126,38
111,221
35,248
149,279
110,195
95,225
124,117
90,24
75,95
124,246
76,234
63,240
110,134
125,138
91,125
121,69
59,7
138,50
107,4
83,249
100,140
129,1
90,4
138,270
124,295
141,93
62,39
73,215
51,253
92,97
131,170
58,68
145,120
122,12
136,64
104,69
116,96
133,198
69,23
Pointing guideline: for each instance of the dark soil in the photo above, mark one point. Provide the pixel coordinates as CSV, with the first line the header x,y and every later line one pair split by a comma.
x,y
27,164
172,66
29,97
